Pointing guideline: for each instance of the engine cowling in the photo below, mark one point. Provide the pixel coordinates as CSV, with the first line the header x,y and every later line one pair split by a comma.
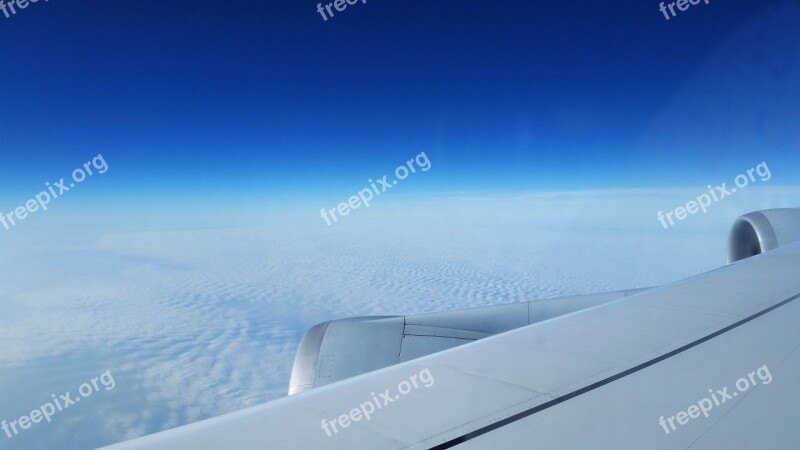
x,y
339,349
762,231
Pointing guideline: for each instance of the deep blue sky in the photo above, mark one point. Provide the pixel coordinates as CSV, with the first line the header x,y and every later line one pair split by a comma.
x,y
244,97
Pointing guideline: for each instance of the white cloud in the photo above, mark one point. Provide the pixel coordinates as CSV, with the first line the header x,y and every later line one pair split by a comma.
x,y
197,323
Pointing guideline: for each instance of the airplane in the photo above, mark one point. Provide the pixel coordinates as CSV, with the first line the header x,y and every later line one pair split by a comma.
x,y
709,362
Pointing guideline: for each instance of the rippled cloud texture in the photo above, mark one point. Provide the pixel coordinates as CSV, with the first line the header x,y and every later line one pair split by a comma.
x,y
197,322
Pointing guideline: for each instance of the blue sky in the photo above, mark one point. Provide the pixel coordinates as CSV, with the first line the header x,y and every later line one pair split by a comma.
x,y
248,99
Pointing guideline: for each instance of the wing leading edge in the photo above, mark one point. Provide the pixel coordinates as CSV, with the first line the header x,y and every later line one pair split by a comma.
x,y
603,375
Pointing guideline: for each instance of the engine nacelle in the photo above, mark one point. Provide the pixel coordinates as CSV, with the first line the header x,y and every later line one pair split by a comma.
x,y
762,231
339,349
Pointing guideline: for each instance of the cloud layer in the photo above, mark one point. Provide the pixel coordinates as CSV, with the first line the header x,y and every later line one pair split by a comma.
x,y
195,323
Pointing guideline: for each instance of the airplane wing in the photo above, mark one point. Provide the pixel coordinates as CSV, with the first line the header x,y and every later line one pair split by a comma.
x,y
708,362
